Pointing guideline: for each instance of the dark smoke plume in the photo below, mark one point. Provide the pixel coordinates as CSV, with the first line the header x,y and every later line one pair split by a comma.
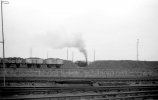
x,y
75,41
57,40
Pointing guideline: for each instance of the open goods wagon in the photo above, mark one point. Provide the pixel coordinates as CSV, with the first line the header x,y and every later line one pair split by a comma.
x,y
30,62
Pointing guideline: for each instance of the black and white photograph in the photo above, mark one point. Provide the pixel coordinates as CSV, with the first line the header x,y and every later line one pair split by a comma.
x,y
79,50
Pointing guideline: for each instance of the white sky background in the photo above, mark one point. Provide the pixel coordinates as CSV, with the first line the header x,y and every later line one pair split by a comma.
x,y
111,27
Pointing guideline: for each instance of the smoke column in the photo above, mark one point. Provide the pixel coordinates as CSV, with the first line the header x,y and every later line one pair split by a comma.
x,y
59,40
75,41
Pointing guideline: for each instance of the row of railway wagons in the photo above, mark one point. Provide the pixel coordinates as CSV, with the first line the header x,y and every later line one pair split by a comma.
x,y
29,62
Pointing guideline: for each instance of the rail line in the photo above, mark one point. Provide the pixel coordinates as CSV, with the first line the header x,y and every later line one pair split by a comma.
x,y
105,89
77,87
79,92
106,95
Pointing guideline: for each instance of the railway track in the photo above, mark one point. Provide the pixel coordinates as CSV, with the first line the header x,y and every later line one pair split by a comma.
x,y
92,95
80,89
96,93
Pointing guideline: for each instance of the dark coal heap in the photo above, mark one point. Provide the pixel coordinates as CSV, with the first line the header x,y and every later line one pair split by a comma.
x,y
124,64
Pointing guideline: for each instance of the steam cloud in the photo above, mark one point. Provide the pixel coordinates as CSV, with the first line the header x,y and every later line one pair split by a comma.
x,y
59,41
75,41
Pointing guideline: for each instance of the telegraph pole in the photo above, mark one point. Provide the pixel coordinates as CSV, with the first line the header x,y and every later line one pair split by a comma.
x,y
67,54
3,2
137,49
30,52
72,56
94,54
47,54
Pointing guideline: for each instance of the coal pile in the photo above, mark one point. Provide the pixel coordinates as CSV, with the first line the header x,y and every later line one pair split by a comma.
x,y
125,64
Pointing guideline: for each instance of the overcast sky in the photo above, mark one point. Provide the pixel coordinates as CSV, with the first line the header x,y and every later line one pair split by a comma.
x,y
111,27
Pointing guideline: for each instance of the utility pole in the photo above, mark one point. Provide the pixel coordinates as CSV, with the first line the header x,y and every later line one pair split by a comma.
x,y
47,54
3,2
67,54
94,54
137,49
72,56
30,52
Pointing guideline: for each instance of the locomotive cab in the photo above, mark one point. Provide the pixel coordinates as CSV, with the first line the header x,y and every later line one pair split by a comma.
x,y
81,63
